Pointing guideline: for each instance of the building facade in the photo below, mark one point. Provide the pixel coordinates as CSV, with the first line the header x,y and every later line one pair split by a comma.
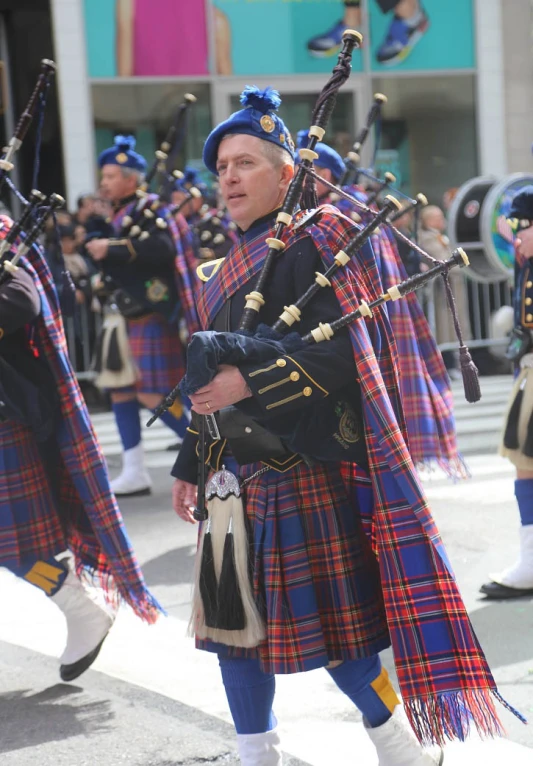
x,y
458,105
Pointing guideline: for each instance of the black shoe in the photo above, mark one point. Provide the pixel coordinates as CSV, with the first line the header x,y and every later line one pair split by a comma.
x,y
497,591
174,447
71,672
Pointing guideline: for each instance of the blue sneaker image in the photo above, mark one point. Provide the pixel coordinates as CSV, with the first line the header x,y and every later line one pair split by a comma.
x,y
401,39
328,43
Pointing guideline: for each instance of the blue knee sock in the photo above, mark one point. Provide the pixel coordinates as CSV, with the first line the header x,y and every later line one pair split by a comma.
x,y
367,684
523,490
176,418
46,574
128,421
250,694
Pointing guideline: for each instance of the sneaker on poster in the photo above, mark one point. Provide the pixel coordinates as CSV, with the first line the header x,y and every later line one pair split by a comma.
x,y
328,43
401,38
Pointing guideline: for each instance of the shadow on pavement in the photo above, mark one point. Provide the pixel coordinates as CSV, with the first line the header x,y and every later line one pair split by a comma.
x,y
174,567
56,713
501,627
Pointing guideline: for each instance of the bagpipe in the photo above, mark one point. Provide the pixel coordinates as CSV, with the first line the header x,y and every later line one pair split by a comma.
x,y
144,219
223,604
35,101
38,208
266,343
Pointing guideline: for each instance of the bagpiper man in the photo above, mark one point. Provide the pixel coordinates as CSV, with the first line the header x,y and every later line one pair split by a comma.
x,y
517,438
154,291
60,527
345,558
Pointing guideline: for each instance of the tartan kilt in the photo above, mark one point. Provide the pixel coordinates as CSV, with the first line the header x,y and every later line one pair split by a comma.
x,y
157,352
315,577
30,526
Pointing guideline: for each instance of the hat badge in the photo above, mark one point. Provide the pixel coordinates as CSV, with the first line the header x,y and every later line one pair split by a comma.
x,y
267,123
121,158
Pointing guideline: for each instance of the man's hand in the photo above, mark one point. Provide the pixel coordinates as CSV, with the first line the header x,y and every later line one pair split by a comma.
x,y
184,500
227,387
524,243
97,248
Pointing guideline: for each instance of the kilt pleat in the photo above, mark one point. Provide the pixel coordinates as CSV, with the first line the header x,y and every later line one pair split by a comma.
x,y
30,526
315,576
158,353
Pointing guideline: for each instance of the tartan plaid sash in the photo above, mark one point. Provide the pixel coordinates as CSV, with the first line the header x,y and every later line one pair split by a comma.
x,y
97,537
445,680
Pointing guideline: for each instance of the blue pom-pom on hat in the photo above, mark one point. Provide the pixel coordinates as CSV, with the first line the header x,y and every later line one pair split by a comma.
x,y
267,100
327,157
258,118
122,153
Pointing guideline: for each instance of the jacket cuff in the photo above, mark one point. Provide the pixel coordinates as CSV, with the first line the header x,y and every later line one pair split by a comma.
x,y
282,385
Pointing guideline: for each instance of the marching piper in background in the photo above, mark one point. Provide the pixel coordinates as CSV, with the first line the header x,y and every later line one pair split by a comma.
x,y
517,437
154,292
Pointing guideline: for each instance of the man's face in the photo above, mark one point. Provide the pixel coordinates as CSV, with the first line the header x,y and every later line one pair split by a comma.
x,y
114,186
250,185
321,189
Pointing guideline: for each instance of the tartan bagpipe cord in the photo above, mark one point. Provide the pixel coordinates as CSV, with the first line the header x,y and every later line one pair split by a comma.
x,y
95,529
446,684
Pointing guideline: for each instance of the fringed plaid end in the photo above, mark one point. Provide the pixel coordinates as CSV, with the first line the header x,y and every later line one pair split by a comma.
x,y
141,601
455,715
455,468
144,606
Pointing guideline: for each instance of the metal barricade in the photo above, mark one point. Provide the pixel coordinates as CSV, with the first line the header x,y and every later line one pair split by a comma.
x,y
81,331
484,299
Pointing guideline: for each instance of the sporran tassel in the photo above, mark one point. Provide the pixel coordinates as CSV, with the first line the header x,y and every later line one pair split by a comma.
x,y
208,579
230,607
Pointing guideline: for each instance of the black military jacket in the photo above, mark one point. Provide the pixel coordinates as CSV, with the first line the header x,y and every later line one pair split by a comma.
x,y
282,389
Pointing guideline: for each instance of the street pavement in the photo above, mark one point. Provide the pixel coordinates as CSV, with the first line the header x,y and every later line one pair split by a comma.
x,y
151,699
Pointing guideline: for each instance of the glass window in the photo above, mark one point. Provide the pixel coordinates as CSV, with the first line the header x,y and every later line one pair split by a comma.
x,y
146,110
429,132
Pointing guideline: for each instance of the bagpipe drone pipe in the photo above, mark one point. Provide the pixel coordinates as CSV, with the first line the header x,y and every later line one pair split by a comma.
x,y
144,218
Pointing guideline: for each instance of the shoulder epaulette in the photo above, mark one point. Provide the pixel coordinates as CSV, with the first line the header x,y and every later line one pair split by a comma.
x,y
207,270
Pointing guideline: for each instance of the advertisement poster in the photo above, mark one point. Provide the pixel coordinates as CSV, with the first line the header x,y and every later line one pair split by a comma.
x,y
303,36
146,38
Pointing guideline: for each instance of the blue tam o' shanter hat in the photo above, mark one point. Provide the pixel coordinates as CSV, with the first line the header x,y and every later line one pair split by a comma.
x,y
258,118
191,177
122,154
327,157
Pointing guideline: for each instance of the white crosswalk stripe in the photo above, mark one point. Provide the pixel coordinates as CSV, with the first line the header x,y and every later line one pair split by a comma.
x,y
155,440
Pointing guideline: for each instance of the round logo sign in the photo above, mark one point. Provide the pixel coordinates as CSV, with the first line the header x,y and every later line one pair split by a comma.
x,y
471,209
496,232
